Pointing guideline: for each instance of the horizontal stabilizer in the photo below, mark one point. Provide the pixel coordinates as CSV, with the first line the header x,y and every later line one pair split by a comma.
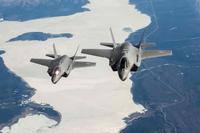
x,y
79,64
106,53
78,57
155,53
107,44
52,55
43,62
148,45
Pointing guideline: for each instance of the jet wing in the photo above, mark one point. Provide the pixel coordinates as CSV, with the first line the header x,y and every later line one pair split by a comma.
x,y
79,64
44,62
106,53
156,53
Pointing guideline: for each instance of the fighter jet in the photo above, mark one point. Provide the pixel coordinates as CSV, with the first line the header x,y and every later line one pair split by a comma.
x,y
126,57
61,66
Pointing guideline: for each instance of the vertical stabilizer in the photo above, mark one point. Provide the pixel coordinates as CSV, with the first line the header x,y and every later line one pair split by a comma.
x,y
55,52
74,57
113,39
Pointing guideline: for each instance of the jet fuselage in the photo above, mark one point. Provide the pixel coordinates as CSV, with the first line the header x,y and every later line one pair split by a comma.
x,y
61,67
125,58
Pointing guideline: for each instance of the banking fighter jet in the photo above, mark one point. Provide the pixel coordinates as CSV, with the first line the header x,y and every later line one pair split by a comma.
x,y
126,57
61,66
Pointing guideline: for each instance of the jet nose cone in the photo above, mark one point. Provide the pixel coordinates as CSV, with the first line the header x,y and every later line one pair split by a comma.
x,y
123,77
123,74
54,82
54,79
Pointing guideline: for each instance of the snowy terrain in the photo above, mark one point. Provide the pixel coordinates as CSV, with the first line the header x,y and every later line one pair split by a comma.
x,y
91,100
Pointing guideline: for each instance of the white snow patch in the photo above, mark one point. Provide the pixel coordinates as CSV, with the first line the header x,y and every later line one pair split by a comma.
x,y
91,100
34,124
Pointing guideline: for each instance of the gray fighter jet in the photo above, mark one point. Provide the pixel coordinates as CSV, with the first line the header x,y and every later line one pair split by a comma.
x,y
126,57
61,66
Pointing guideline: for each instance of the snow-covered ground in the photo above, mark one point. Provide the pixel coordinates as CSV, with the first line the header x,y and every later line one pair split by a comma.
x,y
91,100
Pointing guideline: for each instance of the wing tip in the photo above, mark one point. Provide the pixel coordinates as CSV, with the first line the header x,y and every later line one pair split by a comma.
x,y
93,64
83,51
169,52
32,60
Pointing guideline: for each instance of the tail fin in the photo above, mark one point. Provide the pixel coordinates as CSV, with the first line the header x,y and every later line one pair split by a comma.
x,y
55,52
113,39
74,57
